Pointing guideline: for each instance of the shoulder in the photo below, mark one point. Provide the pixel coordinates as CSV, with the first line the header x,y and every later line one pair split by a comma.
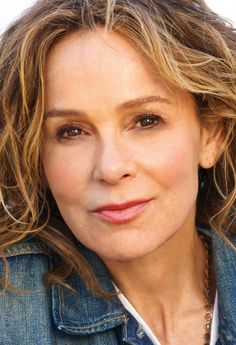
x,y
25,263
31,313
25,303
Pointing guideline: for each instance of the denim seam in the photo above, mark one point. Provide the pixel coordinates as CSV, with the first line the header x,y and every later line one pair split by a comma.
x,y
26,251
60,304
26,248
126,326
95,325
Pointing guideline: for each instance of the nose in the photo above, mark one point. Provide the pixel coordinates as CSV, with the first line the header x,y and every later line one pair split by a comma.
x,y
114,162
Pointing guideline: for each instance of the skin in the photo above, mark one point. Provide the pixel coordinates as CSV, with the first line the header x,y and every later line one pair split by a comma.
x,y
96,152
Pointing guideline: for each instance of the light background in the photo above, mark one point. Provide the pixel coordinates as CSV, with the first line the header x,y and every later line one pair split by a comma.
x,y
10,9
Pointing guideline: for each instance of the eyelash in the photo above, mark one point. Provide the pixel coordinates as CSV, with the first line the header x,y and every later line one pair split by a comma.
x,y
154,120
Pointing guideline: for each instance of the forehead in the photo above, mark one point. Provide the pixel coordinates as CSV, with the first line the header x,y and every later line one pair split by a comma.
x,y
101,66
91,43
93,54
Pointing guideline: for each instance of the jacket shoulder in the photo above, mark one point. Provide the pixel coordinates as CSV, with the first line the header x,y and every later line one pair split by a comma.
x,y
25,303
25,263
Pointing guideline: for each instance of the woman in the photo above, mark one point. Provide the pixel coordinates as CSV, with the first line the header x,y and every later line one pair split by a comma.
x,y
118,174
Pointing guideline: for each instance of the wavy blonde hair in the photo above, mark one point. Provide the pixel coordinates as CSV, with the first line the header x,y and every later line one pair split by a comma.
x,y
185,42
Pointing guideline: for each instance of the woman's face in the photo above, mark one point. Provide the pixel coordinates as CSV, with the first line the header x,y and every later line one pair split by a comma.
x,y
121,149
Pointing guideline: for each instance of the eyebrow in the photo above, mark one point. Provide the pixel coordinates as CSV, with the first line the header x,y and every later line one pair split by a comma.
x,y
130,104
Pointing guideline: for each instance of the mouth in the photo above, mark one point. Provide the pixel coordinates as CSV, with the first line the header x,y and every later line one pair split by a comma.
x,y
121,213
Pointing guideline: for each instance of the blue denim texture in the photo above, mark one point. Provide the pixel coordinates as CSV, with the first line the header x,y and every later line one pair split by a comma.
x,y
55,315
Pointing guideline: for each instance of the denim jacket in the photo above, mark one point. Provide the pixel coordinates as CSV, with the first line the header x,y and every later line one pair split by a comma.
x,y
56,315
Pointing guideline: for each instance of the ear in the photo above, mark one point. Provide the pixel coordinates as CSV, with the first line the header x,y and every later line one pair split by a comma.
x,y
212,144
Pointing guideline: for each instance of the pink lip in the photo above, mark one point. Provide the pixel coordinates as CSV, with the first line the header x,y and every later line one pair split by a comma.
x,y
121,213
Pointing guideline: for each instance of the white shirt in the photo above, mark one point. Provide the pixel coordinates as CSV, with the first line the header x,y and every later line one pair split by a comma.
x,y
150,334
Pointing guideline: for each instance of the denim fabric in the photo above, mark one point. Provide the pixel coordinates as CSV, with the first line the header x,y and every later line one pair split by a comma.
x,y
48,316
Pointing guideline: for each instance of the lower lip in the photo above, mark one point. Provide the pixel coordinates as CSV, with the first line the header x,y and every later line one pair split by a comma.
x,y
122,216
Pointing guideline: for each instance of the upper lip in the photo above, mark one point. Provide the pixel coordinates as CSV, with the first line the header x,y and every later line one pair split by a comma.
x,y
121,206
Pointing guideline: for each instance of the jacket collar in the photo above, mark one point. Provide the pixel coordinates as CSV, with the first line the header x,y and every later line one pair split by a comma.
x,y
225,270
82,312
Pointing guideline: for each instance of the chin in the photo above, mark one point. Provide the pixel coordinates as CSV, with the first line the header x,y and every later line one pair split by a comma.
x,y
125,252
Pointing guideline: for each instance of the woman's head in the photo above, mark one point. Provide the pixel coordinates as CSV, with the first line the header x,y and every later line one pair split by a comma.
x,y
122,147
180,42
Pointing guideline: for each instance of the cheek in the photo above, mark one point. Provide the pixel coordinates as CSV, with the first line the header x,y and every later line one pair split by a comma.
x,y
66,171
180,163
173,161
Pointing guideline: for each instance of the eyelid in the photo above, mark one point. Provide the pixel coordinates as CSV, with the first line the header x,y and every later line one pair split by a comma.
x,y
149,114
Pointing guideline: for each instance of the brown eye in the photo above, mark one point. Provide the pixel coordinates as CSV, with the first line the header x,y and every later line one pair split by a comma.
x,y
73,132
69,132
149,120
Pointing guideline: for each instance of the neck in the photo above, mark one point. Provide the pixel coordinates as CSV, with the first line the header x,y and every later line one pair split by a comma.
x,y
167,281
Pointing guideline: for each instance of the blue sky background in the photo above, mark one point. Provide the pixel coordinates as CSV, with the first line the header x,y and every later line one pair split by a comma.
x,y
10,9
